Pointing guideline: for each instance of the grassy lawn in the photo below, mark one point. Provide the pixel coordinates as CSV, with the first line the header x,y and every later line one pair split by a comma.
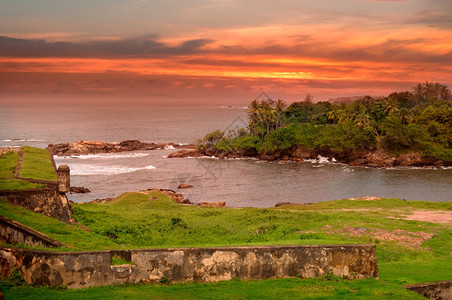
x,y
17,184
290,288
151,220
8,163
74,236
36,164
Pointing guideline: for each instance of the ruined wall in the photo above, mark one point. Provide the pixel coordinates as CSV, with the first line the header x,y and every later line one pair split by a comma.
x,y
15,233
84,269
45,201
437,290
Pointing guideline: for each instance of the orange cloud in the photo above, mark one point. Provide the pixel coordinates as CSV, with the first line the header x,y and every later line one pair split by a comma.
x,y
283,58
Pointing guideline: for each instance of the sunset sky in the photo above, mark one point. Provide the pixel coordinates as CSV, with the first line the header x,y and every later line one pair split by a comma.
x,y
222,50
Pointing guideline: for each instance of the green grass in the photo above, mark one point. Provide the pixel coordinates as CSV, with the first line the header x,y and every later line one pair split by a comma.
x,y
116,260
36,164
290,288
384,203
8,163
133,221
411,272
16,184
71,235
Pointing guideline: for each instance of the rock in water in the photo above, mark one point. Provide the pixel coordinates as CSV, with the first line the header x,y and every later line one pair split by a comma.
x,y
184,186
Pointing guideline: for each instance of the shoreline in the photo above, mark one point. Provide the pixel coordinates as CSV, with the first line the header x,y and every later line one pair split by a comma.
x,y
370,159
374,159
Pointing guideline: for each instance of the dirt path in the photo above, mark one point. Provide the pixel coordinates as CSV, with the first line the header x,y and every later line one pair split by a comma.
x,y
19,163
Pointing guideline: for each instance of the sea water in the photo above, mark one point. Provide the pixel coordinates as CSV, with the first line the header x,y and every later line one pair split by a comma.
x,y
238,182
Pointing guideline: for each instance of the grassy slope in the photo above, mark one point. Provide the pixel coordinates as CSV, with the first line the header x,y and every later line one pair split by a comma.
x,y
36,164
73,236
137,222
8,163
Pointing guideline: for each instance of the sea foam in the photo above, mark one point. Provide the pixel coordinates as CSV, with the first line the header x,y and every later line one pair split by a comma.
x,y
92,169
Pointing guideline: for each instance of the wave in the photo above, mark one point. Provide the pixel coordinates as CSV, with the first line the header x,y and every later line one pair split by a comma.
x,y
22,140
320,160
84,169
103,156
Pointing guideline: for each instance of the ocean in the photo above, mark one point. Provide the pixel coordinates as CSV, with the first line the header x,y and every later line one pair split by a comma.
x,y
238,182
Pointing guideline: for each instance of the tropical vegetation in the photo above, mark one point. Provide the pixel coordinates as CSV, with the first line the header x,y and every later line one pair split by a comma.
x,y
417,121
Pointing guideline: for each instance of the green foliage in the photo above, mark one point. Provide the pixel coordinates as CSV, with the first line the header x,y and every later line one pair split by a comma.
x,y
117,260
418,121
37,164
8,163
13,279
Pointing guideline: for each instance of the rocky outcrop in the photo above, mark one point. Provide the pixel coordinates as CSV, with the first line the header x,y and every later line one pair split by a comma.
x,y
176,197
186,153
79,190
95,147
184,186
212,204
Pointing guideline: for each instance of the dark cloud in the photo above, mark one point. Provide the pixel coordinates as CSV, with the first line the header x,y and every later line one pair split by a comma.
x,y
430,18
131,47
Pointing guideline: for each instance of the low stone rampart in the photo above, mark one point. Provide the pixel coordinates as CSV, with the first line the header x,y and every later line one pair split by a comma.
x,y
16,233
85,269
48,202
436,290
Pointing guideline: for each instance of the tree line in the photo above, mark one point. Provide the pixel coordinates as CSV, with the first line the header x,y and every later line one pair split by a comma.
x,y
419,120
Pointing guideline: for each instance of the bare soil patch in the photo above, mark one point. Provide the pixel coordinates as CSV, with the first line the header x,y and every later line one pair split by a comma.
x,y
436,216
406,238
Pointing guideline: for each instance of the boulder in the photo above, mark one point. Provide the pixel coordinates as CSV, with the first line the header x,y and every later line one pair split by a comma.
x,y
79,190
212,204
132,145
184,186
185,153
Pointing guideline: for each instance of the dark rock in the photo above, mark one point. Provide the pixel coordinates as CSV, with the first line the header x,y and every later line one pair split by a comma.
x,y
184,186
212,204
185,153
289,203
79,190
438,163
282,203
132,145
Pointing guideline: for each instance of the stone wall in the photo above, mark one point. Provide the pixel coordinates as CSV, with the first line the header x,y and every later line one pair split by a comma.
x,y
437,290
15,233
45,201
84,269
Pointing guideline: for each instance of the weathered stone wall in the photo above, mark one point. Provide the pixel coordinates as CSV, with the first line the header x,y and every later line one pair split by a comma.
x,y
15,233
45,201
84,269
437,290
